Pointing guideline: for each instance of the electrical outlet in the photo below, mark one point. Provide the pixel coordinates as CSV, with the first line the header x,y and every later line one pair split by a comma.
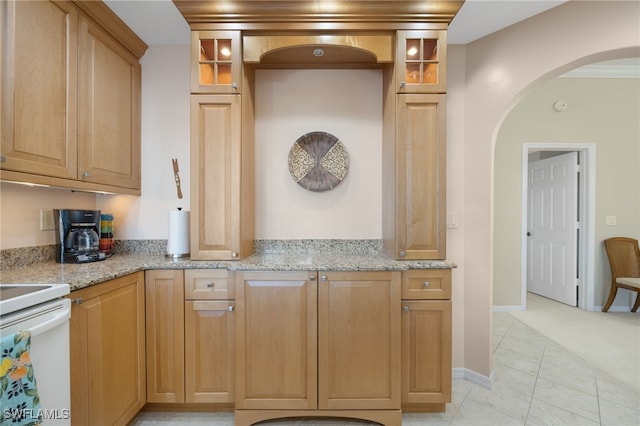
x,y
46,220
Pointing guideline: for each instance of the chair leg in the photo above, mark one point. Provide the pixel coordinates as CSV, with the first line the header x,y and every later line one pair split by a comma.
x,y
637,304
612,296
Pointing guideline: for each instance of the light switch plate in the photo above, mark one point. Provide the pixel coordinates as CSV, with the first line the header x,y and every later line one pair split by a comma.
x,y
46,220
610,220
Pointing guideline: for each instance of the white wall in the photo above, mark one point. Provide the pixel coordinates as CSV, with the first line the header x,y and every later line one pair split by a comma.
x,y
165,135
601,111
344,103
500,69
20,207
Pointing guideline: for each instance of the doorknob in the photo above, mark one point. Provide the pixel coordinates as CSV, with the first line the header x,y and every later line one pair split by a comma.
x,y
528,234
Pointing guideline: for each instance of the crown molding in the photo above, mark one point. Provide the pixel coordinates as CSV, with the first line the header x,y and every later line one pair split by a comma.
x,y
311,11
604,71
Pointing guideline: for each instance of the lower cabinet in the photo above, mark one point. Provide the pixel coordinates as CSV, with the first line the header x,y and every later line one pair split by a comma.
x,y
190,336
365,345
318,344
107,352
426,340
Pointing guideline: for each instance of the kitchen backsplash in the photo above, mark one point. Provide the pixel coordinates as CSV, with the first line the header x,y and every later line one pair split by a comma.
x,y
25,256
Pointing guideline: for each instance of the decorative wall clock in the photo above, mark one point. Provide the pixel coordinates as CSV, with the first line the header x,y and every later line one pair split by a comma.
x,y
318,161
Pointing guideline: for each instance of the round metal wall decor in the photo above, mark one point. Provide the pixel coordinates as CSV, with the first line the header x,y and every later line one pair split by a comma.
x,y
318,161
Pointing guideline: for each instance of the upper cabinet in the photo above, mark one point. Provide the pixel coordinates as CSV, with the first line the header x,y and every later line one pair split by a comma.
x,y
39,88
230,41
70,113
109,110
215,62
421,62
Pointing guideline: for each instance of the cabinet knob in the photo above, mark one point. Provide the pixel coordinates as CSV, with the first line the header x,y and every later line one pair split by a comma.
x,y
234,86
403,253
86,174
234,255
426,284
405,309
312,277
78,301
323,278
403,84
210,285
230,308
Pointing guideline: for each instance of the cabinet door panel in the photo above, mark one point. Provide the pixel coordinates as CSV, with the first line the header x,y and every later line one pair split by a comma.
x,y
164,300
421,182
421,58
107,352
277,340
209,351
109,88
359,340
426,349
215,176
38,120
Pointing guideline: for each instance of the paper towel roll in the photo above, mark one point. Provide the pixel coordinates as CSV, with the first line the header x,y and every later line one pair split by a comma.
x,y
178,243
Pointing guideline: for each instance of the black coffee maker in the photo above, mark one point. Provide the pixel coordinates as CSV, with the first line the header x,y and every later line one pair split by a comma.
x,y
77,236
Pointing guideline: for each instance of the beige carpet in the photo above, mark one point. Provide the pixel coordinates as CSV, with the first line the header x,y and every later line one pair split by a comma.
x,y
609,341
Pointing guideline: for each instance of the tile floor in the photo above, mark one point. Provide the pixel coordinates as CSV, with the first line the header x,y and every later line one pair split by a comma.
x,y
538,382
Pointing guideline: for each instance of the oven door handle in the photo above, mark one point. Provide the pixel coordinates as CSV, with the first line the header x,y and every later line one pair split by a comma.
x,y
58,319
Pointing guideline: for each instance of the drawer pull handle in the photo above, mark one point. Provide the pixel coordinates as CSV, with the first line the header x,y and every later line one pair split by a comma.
x,y
405,309
210,285
426,284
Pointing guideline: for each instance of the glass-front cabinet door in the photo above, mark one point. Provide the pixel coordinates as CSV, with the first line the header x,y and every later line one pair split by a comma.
x,y
421,61
215,62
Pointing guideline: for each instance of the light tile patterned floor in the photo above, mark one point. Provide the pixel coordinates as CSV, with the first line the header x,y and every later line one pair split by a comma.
x,y
538,382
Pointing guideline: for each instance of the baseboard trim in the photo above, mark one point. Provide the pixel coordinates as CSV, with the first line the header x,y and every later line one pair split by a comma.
x,y
473,377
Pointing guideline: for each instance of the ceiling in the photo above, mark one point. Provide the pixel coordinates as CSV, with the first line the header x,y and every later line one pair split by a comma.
x,y
476,19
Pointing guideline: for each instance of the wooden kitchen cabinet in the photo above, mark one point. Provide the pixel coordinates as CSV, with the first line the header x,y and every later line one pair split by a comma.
x,y
209,336
39,88
414,222
107,335
426,340
318,346
109,110
70,113
421,61
216,62
165,311
190,336
222,186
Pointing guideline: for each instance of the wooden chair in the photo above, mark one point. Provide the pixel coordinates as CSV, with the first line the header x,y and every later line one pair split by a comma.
x,y
624,259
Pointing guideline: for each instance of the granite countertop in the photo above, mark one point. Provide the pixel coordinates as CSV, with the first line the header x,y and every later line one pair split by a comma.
x,y
84,275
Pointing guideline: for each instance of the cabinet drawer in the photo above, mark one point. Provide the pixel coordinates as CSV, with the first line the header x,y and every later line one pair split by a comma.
x,y
426,284
206,284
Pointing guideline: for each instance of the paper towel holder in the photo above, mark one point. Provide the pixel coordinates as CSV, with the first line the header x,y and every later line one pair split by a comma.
x,y
178,241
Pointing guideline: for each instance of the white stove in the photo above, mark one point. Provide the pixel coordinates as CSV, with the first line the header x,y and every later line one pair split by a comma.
x,y
43,310
14,297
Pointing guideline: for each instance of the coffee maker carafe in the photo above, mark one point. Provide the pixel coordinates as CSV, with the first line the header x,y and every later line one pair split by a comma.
x,y
77,237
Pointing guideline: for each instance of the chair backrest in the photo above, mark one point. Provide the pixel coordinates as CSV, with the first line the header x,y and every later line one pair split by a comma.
x,y
624,256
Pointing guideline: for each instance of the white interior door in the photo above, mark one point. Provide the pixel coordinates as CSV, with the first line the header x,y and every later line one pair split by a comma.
x,y
552,228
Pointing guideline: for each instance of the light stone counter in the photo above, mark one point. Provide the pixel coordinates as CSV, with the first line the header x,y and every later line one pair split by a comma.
x,y
322,255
